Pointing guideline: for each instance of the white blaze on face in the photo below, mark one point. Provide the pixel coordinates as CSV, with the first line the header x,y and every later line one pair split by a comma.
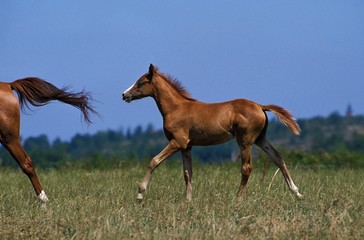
x,y
127,90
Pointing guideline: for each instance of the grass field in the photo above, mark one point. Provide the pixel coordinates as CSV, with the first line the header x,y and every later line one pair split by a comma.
x,y
101,205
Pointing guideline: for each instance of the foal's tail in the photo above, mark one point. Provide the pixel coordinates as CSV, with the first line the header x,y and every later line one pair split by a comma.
x,y
38,93
284,117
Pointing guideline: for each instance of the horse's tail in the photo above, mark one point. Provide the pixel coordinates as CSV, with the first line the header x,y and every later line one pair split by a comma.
x,y
284,117
38,92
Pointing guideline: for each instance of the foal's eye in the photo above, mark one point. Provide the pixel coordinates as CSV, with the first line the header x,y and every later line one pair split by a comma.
x,y
140,83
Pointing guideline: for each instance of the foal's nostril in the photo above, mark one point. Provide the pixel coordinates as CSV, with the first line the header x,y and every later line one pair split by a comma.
x,y
126,97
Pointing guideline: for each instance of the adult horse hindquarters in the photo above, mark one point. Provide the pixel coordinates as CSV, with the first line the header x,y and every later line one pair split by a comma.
x,y
188,122
37,92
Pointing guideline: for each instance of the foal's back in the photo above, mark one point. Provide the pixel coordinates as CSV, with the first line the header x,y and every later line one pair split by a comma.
x,y
238,111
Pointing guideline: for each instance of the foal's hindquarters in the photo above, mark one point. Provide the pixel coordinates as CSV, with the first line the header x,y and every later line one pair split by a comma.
x,y
249,127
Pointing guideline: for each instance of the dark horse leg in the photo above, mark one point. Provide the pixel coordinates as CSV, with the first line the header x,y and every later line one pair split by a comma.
x,y
187,172
26,164
278,160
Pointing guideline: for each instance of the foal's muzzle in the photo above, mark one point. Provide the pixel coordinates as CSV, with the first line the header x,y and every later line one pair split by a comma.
x,y
127,97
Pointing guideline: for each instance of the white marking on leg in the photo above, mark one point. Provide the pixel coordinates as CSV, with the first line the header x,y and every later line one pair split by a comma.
x,y
42,196
139,196
294,189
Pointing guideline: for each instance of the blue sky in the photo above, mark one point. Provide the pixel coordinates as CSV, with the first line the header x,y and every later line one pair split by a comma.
x,y
307,56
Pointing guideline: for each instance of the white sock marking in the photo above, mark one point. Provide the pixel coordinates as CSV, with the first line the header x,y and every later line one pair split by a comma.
x,y
42,196
139,196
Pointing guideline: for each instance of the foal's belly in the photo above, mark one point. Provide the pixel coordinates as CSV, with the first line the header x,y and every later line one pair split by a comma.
x,y
205,138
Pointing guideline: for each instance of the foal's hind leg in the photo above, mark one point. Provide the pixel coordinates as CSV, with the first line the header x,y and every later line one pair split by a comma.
x,y
187,172
246,167
25,163
277,159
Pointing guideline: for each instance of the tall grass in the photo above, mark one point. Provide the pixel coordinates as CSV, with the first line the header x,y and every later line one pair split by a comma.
x,y
101,205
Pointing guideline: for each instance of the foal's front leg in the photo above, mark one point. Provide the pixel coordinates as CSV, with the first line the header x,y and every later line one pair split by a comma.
x,y
171,148
187,172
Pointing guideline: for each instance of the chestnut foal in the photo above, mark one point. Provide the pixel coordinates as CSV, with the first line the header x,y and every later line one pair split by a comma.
x,y
188,122
37,92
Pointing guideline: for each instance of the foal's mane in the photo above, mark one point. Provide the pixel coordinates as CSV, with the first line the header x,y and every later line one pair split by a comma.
x,y
177,85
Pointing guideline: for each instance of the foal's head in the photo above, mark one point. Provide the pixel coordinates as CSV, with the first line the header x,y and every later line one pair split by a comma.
x,y
142,87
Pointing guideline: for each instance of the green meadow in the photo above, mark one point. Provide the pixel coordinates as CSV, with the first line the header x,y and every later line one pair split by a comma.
x,y
101,204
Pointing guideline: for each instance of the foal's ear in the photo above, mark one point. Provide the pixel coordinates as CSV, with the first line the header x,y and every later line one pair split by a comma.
x,y
152,69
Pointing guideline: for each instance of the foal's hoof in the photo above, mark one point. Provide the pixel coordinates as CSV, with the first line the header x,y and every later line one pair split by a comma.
x,y
299,195
188,197
43,206
139,197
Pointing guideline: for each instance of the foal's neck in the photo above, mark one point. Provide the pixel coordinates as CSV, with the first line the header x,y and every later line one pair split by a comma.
x,y
167,98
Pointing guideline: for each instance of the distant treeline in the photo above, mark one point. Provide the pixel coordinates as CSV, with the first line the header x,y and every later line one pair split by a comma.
x,y
334,141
